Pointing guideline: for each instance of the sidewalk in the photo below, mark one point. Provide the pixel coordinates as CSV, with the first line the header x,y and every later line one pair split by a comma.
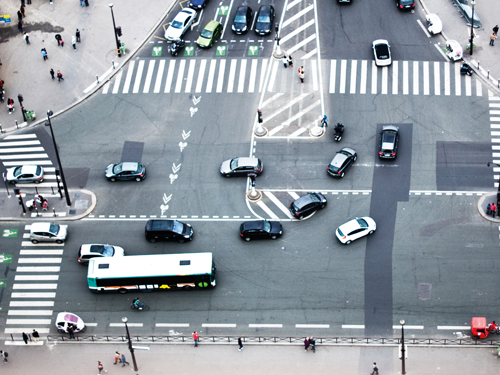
x,y
24,70
253,359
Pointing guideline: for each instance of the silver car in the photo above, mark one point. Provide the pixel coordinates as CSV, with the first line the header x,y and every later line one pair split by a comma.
x,y
48,232
241,167
25,173
382,52
182,21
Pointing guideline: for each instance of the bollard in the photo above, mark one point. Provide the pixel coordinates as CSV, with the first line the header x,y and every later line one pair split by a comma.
x,y
488,74
17,126
97,78
54,210
498,87
113,62
478,64
1,130
36,209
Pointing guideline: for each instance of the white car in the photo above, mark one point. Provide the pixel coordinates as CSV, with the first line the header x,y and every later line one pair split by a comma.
x,y
88,251
25,173
48,232
382,52
182,21
355,228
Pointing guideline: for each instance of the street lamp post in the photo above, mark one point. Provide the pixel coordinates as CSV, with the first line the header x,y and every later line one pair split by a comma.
x,y
403,350
130,347
65,186
472,3
498,191
114,29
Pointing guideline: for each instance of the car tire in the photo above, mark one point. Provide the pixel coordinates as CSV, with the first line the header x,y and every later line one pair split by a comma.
x,y
355,158
187,288
371,232
274,237
323,205
112,179
342,175
348,242
138,179
227,175
34,241
152,240
37,181
181,240
301,217
123,291
59,241
247,239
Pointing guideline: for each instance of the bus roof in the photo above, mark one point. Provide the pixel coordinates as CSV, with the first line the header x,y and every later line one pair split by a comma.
x,y
151,265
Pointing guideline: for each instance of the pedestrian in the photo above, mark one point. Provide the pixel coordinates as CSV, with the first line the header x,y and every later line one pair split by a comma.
x,y
27,38
22,2
71,331
5,355
290,61
492,39
73,42
495,30
285,62
306,344
493,210
375,369
59,76
23,12
301,74
62,42
86,3
78,36
10,105
20,26
312,342
240,343
100,367
58,38
124,360
81,3
52,73
25,336
36,336
44,54
196,337
117,358
19,15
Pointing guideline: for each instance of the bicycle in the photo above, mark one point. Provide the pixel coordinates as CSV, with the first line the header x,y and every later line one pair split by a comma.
x,y
139,306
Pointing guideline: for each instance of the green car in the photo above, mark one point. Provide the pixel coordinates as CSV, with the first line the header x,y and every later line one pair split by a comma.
x,y
210,34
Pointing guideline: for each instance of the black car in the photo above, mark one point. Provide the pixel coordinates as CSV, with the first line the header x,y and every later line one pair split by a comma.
x,y
242,20
307,204
265,18
405,4
198,4
389,138
126,171
341,162
260,229
168,230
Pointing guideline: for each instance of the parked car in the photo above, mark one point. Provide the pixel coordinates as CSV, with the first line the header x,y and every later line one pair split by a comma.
x,y
24,174
341,162
454,50
180,24
168,230
260,229
405,4
307,205
88,251
242,20
265,18
126,171
241,166
48,232
355,228
435,24
198,4
382,52
389,138
210,33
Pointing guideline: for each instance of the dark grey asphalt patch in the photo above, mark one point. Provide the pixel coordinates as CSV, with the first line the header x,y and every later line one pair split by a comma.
x,y
463,166
76,177
390,186
132,151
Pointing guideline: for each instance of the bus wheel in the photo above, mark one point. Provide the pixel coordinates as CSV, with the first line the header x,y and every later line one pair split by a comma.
x,y
187,288
122,290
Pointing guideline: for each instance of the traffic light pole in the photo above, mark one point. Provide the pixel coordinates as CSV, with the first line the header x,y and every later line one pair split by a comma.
x,y
20,98
118,50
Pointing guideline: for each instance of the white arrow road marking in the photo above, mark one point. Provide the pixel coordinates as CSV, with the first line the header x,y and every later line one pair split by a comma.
x,y
193,111
182,145
196,100
173,177
186,135
175,168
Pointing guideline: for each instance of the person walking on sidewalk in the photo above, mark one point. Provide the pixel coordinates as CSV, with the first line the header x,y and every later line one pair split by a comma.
x,y
306,344
22,11
73,42
59,76
312,343
36,336
100,367
493,210
240,343
78,36
117,358
492,39
5,355
81,3
290,61
19,16
301,74
285,62
495,30
58,38
52,74
10,105
86,3
27,38
375,369
71,331
196,337
20,26
25,336
44,54
124,361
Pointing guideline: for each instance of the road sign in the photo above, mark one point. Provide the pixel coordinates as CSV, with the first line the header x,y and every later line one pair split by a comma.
x,y
156,51
221,51
3,283
223,10
253,50
5,258
9,233
188,51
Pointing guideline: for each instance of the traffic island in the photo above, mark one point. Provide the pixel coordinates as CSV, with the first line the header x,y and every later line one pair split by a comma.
x,y
482,207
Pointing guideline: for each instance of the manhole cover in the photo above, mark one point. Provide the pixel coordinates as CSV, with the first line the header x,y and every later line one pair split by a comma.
x,y
424,291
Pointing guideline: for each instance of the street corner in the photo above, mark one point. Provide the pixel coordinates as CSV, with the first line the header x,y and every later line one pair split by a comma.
x,y
486,209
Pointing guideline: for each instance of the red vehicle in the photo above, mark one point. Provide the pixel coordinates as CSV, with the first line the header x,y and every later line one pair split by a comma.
x,y
479,328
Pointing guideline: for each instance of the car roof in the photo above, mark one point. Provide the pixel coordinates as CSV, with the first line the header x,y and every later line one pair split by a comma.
x,y
185,13
305,199
349,226
390,128
254,224
211,25
29,168
349,150
265,8
253,162
40,227
129,166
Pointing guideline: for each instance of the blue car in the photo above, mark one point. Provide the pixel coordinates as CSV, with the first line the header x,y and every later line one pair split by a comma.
x,y
198,4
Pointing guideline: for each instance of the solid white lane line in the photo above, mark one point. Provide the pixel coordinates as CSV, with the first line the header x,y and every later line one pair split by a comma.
x,y
426,78
333,73
353,326
415,78
343,76
218,325
364,75
40,260
138,77
437,79
19,157
243,71
201,75
406,83
211,75
26,329
278,203
253,75
128,78
395,77
31,303
267,210
354,71
33,295
385,73
170,76
36,277
374,77
174,325
21,149
159,77
41,252
26,162
38,322
149,76
458,81
220,78
447,81
190,76
452,328
34,286
14,144
19,136
180,76
30,312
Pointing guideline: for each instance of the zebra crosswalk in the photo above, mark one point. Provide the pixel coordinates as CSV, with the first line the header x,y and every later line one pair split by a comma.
x,y
249,76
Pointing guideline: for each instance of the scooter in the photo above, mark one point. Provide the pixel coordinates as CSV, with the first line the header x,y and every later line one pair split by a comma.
x,y
466,69
176,46
339,131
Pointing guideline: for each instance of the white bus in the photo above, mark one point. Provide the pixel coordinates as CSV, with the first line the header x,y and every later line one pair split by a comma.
x,y
152,272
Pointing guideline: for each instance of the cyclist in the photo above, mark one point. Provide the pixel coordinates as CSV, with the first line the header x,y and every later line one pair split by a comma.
x,y
137,304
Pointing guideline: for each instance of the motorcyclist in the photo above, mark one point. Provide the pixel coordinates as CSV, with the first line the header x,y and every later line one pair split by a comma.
x,y
339,128
493,327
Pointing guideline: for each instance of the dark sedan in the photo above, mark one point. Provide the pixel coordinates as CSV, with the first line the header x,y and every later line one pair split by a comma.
x,y
241,167
242,20
260,229
198,4
307,205
265,18
342,162
389,138
405,4
126,171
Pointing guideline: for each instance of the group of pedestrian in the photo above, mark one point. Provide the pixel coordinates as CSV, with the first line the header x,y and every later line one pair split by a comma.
x,y
287,61
310,343
84,3
491,209
120,358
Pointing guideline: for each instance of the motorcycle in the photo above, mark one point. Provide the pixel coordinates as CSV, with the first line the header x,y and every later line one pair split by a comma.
x,y
466,69
339,131
176,46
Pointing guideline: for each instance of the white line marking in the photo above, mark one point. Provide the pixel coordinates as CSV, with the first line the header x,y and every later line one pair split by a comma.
x,y
149,76
30,312
301,44
343,76
262,75
468,85
277,202
38,322
395,77
297,16
243,71
159,77
220,78
385,73
354,71
34,286
34,295
406,83
415,78
218,325
180,76
426,78
272,79
170,76
178,325
265,326
116,85
333,73
437,78
296,31
201,75
31,303
447,82
312,326
123,324
374,77
353,326
458,81
364,74
211,75
189,82
253,75
128,78
267,210
36,277
314,72
453,328
138,77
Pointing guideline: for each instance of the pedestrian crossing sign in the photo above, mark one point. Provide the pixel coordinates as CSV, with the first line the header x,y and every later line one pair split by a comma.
x,y
9,233
223,10
221,51
156,51
5,258
253,50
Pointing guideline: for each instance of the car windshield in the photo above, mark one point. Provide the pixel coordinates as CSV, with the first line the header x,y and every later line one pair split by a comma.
x,y
17,171
264,18
406,2
207,34
178,227
234,163
267,226
388,137
117,168
382,51
105,250
340,232
176,24
362,223
240,18
54,228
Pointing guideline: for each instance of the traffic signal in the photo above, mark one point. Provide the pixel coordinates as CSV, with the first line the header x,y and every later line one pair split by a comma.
x,y
20,98
19,194
259,113
119,31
